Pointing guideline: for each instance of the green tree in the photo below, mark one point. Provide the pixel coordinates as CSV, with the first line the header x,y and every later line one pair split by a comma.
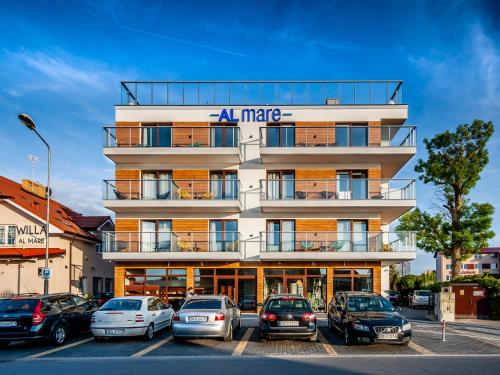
x,y
457,228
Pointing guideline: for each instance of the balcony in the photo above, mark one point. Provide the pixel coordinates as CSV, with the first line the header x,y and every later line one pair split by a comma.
x,y
168,195
389,197
389,145
172,144
349,246
144,246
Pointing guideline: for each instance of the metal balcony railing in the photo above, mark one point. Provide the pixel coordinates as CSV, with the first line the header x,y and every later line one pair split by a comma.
x,y
148,242
171,136
337,189
338,241
170,189
251,93
338,136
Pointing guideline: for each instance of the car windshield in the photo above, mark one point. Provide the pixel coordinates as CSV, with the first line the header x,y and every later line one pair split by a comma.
x,y
358,303
17,305
424,293
202,304
122,304
288,305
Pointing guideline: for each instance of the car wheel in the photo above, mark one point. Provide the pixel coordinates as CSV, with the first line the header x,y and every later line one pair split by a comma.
x,y
59,334
347,337
229,336
314,337
150,333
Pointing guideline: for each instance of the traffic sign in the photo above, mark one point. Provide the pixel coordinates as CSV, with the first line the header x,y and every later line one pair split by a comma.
x,y
46,273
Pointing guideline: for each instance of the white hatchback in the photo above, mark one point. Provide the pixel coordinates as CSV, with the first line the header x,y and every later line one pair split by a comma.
x,y
131,316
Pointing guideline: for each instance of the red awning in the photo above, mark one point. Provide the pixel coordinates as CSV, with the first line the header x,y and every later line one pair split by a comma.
x,y
30,252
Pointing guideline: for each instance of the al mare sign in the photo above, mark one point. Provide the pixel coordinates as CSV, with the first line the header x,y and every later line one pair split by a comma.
x,y
30,235
250,115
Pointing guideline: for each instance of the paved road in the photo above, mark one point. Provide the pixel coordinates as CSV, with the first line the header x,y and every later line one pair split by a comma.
x,y
260,365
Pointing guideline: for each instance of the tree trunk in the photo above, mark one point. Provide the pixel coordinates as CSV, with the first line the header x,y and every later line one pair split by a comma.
x,y
456,263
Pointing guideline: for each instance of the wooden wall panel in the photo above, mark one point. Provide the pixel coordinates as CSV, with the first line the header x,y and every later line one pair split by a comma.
x,y
131,187
188,135
316,136
374,187
375,133
127,225
127,234
318,185
304,225
374,225
191,188
192,234
128,134
119,281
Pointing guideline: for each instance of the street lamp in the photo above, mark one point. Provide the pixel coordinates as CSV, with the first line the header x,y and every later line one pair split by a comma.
x,y
30,124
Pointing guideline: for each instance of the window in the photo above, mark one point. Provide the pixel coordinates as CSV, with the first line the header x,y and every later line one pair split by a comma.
x,y
281,235
223,235
157,135
280,135
122,304
281,185
352,235
486,266
351,135
202,304
448,266
493,266
82,285
108,285
156,235
224,185
66,302
156,185
153,304
79,301
353,280
224,135
7,234
96,285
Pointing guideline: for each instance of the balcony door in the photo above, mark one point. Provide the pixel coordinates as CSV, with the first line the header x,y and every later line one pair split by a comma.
x,y
352,185
223,235
157,185
156,235
224,135
351,135
280,135
224,184
280,235
157,135
280,185
352,235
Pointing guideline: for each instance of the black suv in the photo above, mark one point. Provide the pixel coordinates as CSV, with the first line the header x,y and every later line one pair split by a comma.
x,y
367,317
289,316
53,317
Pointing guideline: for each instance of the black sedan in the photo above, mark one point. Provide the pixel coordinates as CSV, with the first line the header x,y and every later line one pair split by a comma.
x,y
367,317
287,316
35,317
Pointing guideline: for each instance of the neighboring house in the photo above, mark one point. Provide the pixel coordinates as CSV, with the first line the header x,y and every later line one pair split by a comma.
x,y
75,242
488,261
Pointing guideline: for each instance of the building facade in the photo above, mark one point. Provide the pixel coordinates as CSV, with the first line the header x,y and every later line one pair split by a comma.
x,y
488,261
74,239
252,188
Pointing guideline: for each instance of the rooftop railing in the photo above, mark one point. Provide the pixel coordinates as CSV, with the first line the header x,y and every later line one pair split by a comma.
x,y
171,189
171,136
338,241
330,92
337,189
338,136
149,242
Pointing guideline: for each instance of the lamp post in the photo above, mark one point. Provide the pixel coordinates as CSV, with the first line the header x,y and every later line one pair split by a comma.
x,y
30,124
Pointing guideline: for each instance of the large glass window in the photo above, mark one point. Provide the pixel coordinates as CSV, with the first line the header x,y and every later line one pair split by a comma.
x,y
223,235
156,185
280,135
7,234
280,235
280,185
157,135
224,185
224,135
360,280
351,135
156,235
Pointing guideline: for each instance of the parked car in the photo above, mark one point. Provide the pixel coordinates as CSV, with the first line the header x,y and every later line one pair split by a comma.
x,y
131,316
367,317
101,298
207,316
394,297
289,316
36,317
419,298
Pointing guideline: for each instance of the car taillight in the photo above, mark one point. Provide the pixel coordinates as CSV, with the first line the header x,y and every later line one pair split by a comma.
x,y
38,316
176,317
269,317
308,316
139,318
219,316
100,302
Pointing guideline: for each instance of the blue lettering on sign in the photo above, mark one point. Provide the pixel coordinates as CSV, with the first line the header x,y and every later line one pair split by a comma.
x,y
251,115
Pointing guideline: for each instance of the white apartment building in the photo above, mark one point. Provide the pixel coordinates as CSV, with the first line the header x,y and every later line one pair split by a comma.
x,y
257,187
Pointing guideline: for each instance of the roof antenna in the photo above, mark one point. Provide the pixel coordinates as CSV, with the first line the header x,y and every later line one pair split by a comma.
x,y
34,160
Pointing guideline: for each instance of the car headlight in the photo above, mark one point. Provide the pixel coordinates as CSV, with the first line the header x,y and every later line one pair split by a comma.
x,y
406,327
360,327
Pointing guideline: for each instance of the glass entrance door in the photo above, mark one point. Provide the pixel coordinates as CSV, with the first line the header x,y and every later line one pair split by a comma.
x,y
226,287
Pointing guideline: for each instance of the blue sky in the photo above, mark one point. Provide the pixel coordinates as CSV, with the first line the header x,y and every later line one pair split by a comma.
x,y
61,62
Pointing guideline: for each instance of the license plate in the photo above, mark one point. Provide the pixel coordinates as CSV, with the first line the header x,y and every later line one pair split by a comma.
x,y
387,336
197,318
8,324
288,323
114,331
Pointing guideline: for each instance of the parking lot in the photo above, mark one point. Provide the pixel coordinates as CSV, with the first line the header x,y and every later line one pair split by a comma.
x,y
460,340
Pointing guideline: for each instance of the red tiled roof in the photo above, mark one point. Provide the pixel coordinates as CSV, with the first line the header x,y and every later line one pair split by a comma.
x,y
12,252
61,216
90,222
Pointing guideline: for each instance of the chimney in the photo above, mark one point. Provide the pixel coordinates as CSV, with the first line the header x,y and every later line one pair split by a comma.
x,y
34,188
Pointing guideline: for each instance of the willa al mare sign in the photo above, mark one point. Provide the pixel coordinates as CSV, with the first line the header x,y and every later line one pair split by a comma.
x,y
250,115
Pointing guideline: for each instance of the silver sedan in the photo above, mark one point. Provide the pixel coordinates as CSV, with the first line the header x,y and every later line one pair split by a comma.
x,y
207,316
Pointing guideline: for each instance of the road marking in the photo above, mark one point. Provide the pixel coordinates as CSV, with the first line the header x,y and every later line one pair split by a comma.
x,y
243,343
487,340
419,348
459,334
326,345
155,346
37,355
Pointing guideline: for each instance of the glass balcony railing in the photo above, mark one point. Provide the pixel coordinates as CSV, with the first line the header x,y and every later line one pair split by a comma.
x,y
171,189
338,136
337,189
150,242
251,93
171,136
338,241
